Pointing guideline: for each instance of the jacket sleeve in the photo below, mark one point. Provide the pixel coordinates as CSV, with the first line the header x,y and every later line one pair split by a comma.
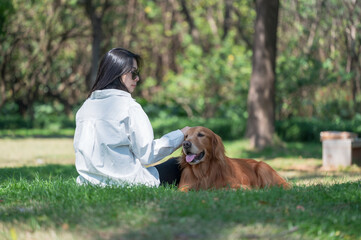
x,y
142,143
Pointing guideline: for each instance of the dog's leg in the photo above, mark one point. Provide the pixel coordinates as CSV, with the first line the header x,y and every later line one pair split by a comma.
x,y
267,176
186,180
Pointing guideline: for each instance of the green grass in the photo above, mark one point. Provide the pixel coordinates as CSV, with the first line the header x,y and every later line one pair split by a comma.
x,y
35,199
44,202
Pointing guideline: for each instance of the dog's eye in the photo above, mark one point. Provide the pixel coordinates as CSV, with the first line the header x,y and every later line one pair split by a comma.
x,y
200,135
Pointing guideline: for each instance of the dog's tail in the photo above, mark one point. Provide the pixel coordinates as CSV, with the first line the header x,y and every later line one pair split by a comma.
x,y
267,176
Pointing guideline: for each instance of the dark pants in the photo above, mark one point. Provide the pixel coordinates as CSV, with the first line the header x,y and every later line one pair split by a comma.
x,y
169,172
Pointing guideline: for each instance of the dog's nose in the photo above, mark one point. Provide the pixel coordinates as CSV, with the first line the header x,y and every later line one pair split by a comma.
x,y
187,144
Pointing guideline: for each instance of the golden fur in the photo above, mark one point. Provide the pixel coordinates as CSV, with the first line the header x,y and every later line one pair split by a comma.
x,y
209,168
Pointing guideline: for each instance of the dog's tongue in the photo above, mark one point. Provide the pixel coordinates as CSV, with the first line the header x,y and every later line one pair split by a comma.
x,y
189,158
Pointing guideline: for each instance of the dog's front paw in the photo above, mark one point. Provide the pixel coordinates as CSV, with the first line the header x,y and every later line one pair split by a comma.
x,y
184,188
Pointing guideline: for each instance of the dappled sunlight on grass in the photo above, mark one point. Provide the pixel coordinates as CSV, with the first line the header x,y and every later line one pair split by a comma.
x,y
321,177
36,151
20,231
261,231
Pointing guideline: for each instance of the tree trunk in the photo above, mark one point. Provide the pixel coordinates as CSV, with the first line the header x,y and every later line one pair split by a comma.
x,y
261,95
227,18
97,37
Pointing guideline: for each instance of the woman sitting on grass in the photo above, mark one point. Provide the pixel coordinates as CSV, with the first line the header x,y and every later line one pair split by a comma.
x,y
113,138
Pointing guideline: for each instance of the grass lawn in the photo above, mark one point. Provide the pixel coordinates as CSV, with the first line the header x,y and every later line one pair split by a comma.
x,y
40,200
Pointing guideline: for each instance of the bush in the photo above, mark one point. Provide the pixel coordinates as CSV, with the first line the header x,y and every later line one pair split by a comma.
x,y
46,116
309,129
295,129
14,122
228,129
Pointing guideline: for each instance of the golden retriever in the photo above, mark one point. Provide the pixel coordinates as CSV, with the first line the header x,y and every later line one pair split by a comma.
x,y
205,166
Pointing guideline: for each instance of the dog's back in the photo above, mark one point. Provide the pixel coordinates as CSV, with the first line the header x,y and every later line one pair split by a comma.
x,y
259,173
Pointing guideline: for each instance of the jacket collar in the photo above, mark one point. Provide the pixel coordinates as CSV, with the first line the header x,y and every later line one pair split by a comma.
x,y
105,93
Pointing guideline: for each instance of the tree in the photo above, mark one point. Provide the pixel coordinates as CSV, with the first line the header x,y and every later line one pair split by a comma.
x,y
353,46
319,60
214,58
261,96
37,61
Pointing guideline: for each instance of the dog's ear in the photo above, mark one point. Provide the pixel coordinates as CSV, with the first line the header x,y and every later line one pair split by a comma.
x,y
182,157
218,147
182,161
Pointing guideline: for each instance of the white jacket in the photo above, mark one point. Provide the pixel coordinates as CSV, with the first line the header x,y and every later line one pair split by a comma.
x,y
114,141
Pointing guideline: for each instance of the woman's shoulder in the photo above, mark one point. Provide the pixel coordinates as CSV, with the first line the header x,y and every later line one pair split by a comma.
x,y
124,101
109,93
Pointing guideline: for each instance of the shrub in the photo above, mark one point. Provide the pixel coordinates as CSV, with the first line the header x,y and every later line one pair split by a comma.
x,y
308,129
14,122
228,129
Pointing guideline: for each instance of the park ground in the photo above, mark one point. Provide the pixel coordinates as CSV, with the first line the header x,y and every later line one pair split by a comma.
x,y
37,185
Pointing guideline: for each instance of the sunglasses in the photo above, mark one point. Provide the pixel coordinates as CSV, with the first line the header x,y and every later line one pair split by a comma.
x,y
135,74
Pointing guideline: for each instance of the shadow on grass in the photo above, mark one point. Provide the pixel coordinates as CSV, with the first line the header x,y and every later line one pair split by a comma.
x,y
42,172
216,215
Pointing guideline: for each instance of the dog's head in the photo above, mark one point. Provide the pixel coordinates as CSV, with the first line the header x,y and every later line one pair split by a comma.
x,y
202,145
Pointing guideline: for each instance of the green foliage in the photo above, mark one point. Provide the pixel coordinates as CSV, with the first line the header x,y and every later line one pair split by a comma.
x,y
301,91
39,57
11,119
14,122
51,117
314,78
213,84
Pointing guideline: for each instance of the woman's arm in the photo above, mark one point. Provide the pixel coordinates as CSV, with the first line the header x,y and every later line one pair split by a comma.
x,y
143,145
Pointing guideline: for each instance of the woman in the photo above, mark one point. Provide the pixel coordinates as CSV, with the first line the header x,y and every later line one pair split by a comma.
x,y
113,138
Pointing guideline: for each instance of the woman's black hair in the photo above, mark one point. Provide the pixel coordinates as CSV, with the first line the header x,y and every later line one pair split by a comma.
x,y
114,64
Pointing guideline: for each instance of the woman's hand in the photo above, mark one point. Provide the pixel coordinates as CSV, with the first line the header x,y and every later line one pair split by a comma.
x,y
184,130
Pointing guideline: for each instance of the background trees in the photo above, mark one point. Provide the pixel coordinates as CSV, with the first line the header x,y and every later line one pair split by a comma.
x,y
198,57
314,59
